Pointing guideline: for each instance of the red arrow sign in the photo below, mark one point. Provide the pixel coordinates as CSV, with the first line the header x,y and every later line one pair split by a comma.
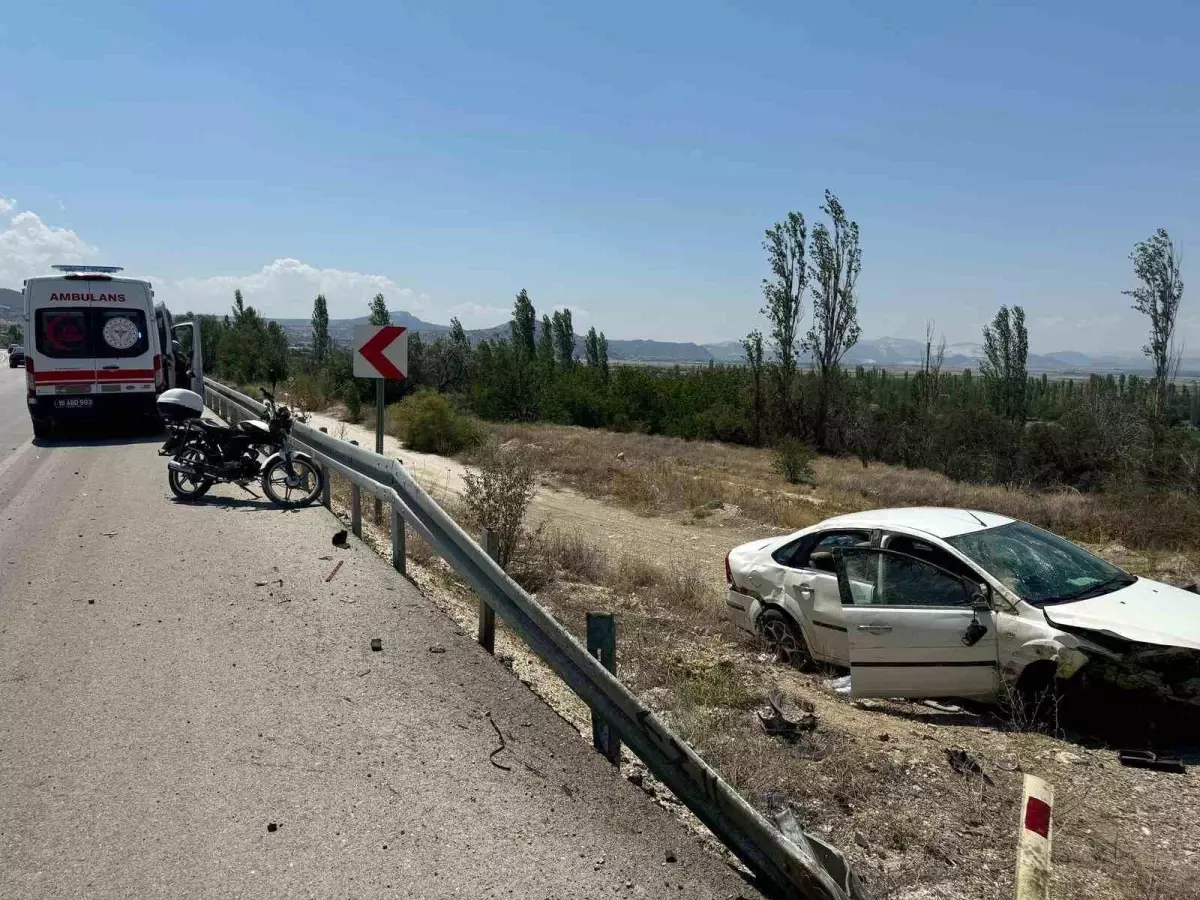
x,y
375,351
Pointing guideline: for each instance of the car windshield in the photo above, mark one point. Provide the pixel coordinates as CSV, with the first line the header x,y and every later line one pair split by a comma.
x,y
1040,567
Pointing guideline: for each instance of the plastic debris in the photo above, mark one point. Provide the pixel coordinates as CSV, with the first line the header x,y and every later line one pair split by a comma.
x,y
1148,759
839,685
786,723
964,762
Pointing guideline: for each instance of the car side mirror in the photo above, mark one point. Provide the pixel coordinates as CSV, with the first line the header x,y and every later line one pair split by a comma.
x,y
979,596
822,560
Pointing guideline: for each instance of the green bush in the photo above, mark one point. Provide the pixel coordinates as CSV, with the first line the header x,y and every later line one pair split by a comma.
x,y
353,400
428,423
793,460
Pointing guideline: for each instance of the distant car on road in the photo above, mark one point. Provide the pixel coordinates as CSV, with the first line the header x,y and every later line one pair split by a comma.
x,y
929,602
16,355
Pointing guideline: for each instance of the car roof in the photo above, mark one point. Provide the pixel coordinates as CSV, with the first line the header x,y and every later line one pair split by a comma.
x,y
939,521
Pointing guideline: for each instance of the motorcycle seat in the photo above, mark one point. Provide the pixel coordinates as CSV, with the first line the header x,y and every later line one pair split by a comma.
x,y
214,428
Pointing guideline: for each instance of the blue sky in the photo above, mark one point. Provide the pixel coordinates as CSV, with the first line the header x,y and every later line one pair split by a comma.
x,y
619,159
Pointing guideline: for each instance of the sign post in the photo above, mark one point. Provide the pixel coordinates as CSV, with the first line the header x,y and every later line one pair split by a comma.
x,y
380,352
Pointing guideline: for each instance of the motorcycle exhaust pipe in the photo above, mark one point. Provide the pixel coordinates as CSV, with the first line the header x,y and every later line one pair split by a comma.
x,y
182,468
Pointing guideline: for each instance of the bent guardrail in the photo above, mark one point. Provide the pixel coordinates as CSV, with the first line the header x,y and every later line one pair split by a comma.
x,y
804,866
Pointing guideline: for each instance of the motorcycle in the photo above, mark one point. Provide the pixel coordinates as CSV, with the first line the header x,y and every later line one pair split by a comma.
x,y
204,453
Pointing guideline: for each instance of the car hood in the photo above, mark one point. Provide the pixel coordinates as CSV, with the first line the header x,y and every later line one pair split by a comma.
x,y
1146,612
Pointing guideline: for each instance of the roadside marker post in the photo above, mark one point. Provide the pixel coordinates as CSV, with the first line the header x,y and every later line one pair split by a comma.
x,y
487,615
602,644
380,352
1034,840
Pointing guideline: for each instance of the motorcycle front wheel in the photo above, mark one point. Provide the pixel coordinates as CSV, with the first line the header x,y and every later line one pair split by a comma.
x,y
300,488
189,487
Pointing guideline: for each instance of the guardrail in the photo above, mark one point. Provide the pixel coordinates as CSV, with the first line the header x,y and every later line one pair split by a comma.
x,y
804,866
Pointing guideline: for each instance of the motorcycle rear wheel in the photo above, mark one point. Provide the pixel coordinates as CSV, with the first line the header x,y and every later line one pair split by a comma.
x,y
292,491
187,487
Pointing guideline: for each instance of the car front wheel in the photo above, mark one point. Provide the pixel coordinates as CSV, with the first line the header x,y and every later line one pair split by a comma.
x,y
783,639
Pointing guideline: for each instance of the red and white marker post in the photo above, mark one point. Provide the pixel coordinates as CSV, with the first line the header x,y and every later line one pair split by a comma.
x,y
1034,840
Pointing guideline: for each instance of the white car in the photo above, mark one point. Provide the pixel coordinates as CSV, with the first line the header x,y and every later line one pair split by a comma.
x,y
929,602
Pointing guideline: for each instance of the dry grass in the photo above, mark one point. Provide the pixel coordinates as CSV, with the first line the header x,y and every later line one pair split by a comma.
x,y
913,827
652,474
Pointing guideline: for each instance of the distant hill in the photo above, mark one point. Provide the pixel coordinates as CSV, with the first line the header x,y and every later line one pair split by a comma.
x,y
884,352
11,302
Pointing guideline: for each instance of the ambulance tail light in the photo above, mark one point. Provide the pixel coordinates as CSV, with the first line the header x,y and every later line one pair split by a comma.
x,y
30,383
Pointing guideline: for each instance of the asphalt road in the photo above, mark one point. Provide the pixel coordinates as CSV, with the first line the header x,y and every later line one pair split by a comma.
x,y
164,699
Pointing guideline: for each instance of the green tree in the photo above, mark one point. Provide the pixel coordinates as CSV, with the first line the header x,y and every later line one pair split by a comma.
x,y
752,346
242,342
379,311
591,348
523,325
1006,351
784,293
320,330
564,338
274,353
602,353
1156,265
545,343
837,260
459,357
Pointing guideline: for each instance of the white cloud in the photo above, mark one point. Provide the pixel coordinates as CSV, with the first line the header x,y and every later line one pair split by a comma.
x,y
286,288
29,246
478,315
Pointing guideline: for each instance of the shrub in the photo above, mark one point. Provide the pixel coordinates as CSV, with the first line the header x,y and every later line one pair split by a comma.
x,y
426,422
498,496
576,554
793,460
353,402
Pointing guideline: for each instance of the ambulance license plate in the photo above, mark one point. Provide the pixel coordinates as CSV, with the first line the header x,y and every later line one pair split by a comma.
x,y
73,403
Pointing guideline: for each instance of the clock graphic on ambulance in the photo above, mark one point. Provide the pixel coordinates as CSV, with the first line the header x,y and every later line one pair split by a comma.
x,y
120,333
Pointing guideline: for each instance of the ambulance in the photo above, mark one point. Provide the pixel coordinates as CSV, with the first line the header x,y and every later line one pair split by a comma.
x,y
98,348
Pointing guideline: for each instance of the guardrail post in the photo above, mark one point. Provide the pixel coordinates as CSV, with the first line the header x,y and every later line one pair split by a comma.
x,y
326,489
398,561
356,509
487,615
602,644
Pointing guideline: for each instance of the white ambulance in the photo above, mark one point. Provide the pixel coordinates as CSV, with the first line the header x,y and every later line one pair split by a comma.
x,y
99,349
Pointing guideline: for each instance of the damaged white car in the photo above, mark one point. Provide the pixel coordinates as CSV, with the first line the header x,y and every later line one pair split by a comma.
x,y
927,602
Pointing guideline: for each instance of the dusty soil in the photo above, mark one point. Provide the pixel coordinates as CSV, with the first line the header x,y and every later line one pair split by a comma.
x,y
874,777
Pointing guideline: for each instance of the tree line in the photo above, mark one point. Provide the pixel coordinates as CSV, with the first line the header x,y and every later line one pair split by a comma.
x,y
995,424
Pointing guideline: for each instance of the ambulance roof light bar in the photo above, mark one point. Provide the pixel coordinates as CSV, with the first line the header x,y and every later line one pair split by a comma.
x,y
105,269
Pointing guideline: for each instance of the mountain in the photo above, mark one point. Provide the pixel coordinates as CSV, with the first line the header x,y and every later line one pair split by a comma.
x,y
885,352
341,331
11,302
726,351
658,351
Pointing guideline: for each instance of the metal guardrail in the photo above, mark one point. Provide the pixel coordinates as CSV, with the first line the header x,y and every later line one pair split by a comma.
x,y
804,866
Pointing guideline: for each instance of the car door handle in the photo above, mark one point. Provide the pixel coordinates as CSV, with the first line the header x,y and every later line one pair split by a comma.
x,y
875,629
110,367
805,589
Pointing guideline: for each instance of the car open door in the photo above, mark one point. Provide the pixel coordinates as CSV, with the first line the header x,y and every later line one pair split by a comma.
x,y
188,335
914,629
